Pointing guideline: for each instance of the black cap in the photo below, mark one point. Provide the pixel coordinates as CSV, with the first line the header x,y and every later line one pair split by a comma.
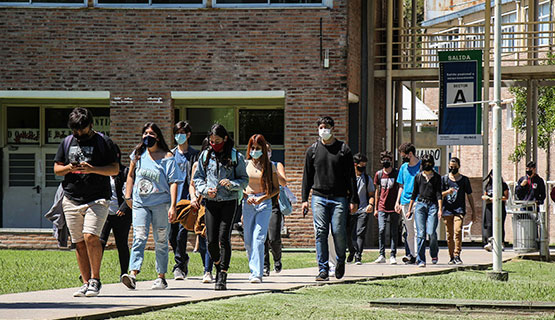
x,y
531,164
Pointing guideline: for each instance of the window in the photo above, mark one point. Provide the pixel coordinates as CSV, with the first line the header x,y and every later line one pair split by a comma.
x,y
476,37
543,16
44,3
271,2
508,28
152,3
23,125
510,116
240,122
56,123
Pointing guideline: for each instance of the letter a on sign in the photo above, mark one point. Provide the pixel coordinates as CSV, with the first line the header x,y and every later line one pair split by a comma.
x,y
459,98
460,92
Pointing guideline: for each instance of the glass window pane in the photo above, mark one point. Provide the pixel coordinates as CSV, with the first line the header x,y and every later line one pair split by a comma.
x,y
56,122
202,119
23,125
269,123
176,1
123,1
242,1
4,1
59,1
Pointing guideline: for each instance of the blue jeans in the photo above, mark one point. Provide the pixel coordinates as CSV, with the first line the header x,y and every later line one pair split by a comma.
x,y
204,255
425,218
256,219
142,217
330,211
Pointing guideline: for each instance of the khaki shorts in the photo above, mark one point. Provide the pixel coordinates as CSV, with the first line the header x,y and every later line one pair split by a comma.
x,y
85,218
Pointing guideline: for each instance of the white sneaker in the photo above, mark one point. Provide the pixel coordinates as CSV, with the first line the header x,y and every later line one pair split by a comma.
x,y
159,284
255,280
487,247
331,273
392,260
207,278
381,259
82,291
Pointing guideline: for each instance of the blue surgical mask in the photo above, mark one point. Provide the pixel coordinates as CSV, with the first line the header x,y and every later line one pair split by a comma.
x,y
255,154
181,138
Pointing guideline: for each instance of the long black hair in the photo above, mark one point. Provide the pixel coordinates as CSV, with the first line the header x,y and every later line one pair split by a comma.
x,y
489,184
223,157
141,147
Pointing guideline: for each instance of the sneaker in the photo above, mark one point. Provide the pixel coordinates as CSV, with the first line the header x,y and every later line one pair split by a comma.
x,y
381,259
411,260
94,288
331,273
350,257
178,274
434,260
277,266
266,272
340,270
207,278
422,265
81,291
392,260
322,276
451,262
221,280
255,280
129,281
358,261
159,284
487,247
458,260
406,259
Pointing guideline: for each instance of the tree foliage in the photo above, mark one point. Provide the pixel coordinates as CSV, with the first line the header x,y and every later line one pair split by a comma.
x,y
546,115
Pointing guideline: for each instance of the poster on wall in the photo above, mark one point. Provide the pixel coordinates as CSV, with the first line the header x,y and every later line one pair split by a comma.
x,y
23,135
460,84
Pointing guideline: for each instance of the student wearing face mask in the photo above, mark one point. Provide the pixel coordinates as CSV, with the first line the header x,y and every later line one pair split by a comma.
x,y
388,219
257,206
357,222
329,173
429,207
152,193
185,156
409,169
220,178
454,188
86,159
531,187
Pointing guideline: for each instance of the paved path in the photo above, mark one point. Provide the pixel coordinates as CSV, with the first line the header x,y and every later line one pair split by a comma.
x,y
115,299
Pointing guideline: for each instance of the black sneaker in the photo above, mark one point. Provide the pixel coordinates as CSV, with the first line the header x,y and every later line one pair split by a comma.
x,y
277,266
129,281
358,261
322,276
94,288
340,270
350,257
458,260
412,260
451,262
266,272
221,279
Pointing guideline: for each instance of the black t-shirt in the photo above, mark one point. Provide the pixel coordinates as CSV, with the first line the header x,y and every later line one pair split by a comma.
x,y
455,203
98,151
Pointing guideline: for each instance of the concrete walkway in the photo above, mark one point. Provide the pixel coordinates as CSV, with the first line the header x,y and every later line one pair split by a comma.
x,y
115,299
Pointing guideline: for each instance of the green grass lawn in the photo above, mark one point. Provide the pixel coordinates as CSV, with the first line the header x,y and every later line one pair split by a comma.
x,y
30,270
528,281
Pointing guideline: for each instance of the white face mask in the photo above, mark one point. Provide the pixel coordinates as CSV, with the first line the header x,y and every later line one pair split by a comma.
x,y
324,133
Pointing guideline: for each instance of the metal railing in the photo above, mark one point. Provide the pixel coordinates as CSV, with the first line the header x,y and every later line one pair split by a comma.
x,y
523,43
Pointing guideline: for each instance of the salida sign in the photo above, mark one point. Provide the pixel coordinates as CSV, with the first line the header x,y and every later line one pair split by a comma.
x,y
460,83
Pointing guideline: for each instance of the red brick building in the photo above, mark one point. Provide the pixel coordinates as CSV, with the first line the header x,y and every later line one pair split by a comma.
x,y
272,67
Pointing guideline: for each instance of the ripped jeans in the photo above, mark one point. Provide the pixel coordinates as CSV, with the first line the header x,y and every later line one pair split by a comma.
x,y
142,217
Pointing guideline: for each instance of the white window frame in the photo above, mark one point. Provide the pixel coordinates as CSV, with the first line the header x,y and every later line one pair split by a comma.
x,y
30,3
324,4
505,41
544,40
149,5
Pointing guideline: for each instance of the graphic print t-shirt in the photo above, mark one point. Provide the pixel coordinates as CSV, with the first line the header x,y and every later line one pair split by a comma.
x,y
455,203
98,151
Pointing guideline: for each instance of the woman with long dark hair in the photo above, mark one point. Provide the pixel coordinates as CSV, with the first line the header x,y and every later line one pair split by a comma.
x,y
257,207
220,178
487,219
152,193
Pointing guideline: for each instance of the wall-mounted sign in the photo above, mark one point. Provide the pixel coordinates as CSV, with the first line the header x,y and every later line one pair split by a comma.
x,y
23,135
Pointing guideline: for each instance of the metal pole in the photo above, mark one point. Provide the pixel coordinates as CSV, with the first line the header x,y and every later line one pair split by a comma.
x,y
497,273
388,80
485,97
535,146
413,83
371,60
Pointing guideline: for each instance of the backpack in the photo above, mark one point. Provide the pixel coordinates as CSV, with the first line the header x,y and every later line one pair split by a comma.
x,y
314,147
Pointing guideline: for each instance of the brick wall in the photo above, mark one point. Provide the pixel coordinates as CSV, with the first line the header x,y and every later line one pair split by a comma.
x,y
140,56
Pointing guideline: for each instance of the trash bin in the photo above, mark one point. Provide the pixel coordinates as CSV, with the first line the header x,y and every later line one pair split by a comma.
x,y
525,226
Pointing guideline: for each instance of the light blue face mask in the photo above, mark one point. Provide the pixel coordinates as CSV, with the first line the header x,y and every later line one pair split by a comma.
x,y
255,154
181,138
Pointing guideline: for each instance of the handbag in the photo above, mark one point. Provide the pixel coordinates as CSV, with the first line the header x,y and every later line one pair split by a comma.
x,y
285,205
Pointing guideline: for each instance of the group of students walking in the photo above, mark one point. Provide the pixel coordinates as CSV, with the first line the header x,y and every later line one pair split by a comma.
x,y
101,195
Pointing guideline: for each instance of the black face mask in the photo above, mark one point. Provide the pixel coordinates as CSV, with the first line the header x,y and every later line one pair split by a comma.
x,y
386,164
361,169
529,172
83,137
454,170
427,167
406,159
149,141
